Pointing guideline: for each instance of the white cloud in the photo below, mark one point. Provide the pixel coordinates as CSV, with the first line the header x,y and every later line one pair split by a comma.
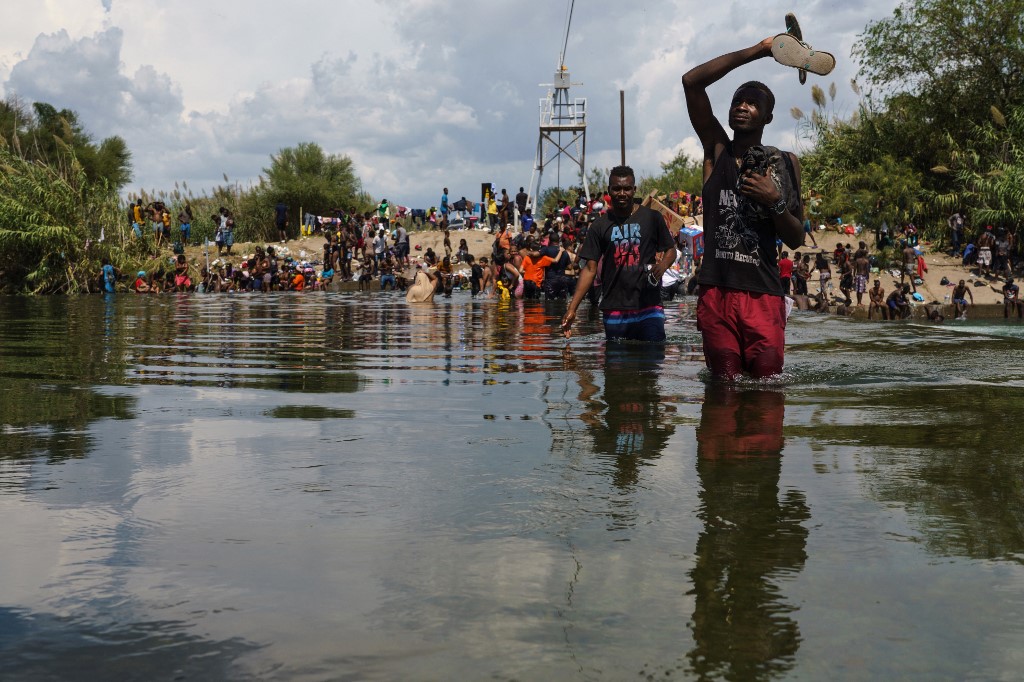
x,y
420,93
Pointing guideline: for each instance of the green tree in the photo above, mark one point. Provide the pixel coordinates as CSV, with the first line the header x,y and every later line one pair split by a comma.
x,y
682,173
14,121
57,138
305,176
548,200
851,178
957,57
989,176
939,66
51,222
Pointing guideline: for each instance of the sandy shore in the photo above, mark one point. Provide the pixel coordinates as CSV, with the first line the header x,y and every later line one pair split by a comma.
x,y
939,265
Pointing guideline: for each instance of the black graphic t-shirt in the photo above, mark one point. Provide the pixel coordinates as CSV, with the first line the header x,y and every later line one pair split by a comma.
x,y
739,234
623,248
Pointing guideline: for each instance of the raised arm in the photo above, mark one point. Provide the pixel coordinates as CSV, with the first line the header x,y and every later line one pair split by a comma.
x,y
695,84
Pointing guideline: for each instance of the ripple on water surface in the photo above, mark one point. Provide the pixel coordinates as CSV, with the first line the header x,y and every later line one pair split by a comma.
x,y
345,486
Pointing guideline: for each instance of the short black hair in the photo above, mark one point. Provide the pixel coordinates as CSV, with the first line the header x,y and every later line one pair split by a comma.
x,y
621,172
758,85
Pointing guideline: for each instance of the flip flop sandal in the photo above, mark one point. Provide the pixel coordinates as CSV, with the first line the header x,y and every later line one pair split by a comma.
x,y
789,51
793,29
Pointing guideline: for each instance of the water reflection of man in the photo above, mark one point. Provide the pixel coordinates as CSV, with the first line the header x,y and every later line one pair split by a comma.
x,y
751,539
627,423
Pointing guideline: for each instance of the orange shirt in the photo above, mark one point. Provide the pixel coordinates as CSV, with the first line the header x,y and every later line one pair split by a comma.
x,y
298,282
534,270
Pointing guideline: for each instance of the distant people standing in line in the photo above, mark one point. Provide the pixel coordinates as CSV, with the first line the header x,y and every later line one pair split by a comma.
x,y
135,218
985,243
402,245
281,220
861,271
504,208
824,272
185,218
521,198
227,226
492,212
218,232
956,231
156,218
786,272
165,222
909,264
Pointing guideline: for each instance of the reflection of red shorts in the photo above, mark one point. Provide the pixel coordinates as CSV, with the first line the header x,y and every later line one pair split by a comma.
x,y
740,424
743,331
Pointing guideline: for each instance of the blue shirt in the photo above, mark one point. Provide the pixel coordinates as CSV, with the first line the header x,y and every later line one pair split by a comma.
x,y
444,203
109,278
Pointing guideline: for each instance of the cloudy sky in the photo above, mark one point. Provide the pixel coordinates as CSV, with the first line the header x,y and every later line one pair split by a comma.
x,y
419,93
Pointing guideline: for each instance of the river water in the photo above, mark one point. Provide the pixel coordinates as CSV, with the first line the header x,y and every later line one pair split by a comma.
x,y
345,487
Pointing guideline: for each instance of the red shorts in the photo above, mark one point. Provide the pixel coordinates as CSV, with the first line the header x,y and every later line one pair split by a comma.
x,y
743,332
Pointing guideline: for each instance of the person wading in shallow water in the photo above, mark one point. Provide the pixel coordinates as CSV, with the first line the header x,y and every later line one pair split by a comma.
x,y
751,196
633,248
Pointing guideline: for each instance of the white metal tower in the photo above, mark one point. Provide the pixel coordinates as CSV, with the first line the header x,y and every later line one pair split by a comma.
x,y
563,125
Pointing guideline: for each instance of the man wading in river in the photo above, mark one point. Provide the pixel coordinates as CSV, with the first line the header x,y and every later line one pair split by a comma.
x,y
632,246
751,195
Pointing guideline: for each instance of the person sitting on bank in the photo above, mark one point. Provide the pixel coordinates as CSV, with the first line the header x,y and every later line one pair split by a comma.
x,y
1011,298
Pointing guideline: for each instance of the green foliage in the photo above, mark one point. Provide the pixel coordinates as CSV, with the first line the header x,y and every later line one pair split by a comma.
x,y
305,177
51,221
549,198
681,174
956,57
989,177
57,138
597,181
848,175
251,207
938,139
60,213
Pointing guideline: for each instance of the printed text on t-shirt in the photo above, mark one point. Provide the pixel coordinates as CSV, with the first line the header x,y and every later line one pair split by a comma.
x,y
626,239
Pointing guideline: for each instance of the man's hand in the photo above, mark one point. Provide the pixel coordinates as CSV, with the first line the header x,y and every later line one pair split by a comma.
x,y
567,320
759,188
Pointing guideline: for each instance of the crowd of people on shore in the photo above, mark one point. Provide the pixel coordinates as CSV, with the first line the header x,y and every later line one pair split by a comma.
x,y
533,257
540,258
